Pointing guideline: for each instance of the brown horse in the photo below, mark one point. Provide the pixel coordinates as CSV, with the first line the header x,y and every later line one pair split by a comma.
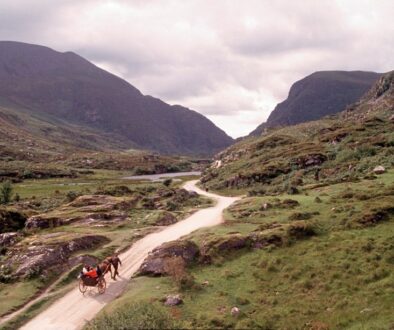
x,y
114,261
105,267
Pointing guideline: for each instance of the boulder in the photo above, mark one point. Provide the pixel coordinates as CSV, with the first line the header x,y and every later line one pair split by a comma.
x,y
222,245
8,239
173,300
310,160
235,311
154,264
165,219
379,170
41,222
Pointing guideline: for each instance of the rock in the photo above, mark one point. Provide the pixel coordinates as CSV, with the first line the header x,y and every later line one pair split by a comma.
x,y
391,119
379,170
41,258
173,300
102,203
366,310
182,195
205,283
235,311
8,239
154,264
40,222
372,219
166,219
310,160
84,259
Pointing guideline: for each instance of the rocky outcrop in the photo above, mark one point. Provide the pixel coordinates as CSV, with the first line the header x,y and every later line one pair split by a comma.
x,y
40,258
9,239
165,219
310,160
154,264
92,209
173,300
102,203
42,222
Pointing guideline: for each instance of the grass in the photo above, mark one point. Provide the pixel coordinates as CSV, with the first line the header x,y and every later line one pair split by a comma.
x,y
15,294
340,278
120,234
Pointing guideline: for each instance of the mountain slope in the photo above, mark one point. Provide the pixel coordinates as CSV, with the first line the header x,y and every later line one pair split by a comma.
x,y
317,95
336,149
68,87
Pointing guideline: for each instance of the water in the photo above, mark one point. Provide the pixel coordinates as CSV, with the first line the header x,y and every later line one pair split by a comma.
x,y
161,177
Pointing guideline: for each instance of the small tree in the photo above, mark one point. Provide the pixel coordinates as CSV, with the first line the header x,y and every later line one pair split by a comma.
x,y
6,192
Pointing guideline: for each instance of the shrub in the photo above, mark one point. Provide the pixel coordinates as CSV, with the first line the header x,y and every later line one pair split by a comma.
x,y
300,216
6,192
17,198
175,267
138,316
300,229
71,195
167,182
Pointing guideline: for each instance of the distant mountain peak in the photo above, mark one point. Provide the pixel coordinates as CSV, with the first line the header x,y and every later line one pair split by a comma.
x,y
319,94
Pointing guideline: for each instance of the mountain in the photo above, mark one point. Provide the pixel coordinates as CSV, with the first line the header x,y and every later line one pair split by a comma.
x,y
343,147
317,95
66,87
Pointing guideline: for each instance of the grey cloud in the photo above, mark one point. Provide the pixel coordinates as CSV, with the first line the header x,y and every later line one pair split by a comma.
x,y
231,61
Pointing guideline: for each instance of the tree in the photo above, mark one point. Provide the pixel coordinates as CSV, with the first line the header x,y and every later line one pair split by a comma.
x,y
6,192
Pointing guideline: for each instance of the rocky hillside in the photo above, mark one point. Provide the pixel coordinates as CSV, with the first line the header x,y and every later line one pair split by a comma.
x,y
345,147
64,89
317,95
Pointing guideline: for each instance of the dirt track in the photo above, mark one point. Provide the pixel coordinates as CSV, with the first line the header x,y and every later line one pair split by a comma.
x,y
73,310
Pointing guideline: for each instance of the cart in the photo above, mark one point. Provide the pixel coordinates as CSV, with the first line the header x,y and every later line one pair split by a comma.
x,y
99,282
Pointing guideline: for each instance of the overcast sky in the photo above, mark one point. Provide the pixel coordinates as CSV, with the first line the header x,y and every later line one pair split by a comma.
x,y
229,60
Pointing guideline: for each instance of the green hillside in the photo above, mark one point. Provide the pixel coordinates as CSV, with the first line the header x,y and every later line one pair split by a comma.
x,y
309,247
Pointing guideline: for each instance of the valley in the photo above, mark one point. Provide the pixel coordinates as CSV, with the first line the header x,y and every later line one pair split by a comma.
x,y
290,227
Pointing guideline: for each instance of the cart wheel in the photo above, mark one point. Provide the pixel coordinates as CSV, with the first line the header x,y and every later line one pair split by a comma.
x,y
101,285
82,286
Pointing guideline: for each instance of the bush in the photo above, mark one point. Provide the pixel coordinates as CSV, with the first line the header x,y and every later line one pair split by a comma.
x,y
167,182
176,268
71,196
17,198
6,192
138,316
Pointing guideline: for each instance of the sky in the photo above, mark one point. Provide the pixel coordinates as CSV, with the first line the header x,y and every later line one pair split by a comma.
x,y
232,61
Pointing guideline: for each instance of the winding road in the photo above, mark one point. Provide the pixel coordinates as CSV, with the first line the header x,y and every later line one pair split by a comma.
x,y
74,309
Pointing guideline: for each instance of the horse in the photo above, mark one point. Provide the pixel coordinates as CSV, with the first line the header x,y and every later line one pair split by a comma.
x,y
114,261
105,267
